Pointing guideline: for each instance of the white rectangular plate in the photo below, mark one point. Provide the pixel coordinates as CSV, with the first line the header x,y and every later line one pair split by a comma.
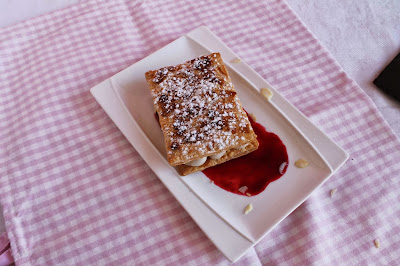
x,y
126,99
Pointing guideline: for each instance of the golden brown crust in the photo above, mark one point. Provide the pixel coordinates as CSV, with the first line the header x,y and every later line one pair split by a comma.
x,y
199,112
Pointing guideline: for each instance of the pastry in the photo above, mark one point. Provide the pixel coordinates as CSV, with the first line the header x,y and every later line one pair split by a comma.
x,y
200,114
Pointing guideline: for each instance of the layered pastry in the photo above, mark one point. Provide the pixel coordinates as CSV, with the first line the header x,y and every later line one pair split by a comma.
x,y
200,114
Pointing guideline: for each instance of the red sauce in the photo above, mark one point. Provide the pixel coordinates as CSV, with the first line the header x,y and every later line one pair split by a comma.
x,y
254,170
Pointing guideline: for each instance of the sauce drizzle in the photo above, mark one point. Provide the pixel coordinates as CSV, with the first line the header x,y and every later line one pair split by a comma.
x,y
254,170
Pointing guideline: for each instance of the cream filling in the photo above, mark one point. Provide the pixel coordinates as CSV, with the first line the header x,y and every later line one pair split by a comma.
x,y
217,156
201,161
197,162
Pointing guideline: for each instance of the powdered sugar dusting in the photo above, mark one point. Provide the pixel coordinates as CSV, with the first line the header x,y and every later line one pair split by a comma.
x,y
202,106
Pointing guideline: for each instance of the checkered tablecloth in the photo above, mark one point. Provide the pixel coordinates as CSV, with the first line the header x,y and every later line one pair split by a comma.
x,y
74,191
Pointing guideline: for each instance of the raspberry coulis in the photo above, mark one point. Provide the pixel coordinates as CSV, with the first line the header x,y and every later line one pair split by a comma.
x,y
254,170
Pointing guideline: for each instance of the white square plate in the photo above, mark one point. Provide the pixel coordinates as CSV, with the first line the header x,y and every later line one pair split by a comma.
x,y
126,99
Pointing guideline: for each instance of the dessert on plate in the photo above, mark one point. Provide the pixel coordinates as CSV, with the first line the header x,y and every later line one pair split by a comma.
x,y
200,114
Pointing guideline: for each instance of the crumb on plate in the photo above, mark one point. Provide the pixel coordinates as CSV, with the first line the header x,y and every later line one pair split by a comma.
x,y
267,93
248,209
236,60
301,163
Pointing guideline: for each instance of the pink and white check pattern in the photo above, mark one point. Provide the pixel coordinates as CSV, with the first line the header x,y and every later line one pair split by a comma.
x,y
75,192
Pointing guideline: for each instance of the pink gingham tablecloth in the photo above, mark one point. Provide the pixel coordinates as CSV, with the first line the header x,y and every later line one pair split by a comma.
x,y
74,191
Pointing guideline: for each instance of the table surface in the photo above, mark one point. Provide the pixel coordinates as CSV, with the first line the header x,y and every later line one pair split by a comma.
x,y
361,35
